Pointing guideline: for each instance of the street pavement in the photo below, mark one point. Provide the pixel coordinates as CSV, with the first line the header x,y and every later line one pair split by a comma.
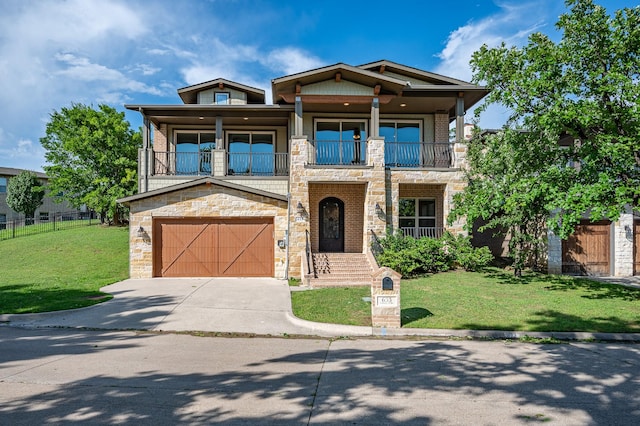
x,y
74,376
209,351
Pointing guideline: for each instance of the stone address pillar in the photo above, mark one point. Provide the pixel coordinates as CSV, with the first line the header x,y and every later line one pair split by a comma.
x,y
385,299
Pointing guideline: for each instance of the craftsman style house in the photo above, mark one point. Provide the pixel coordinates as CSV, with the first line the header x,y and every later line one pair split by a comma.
x,y
233,186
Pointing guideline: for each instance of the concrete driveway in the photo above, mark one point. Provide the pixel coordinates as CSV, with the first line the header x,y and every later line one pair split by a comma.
x,y
228,305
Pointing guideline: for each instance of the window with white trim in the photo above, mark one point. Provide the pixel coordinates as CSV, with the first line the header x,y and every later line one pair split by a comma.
x,y
222,98
417,213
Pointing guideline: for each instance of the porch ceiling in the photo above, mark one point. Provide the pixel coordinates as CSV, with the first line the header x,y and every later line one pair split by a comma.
x,y
232,115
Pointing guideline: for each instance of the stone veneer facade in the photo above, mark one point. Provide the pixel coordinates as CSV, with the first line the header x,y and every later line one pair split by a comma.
x,y
201,201
361,188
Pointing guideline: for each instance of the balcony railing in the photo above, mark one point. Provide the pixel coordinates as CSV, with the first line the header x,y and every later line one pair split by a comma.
x,y
171,163
337,153
422,232
258,164
182,163
418,154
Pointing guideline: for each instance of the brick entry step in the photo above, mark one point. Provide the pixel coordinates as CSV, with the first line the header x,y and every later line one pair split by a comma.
x,y
341,270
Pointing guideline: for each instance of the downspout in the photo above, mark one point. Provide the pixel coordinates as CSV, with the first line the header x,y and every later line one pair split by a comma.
x,y
286,262
145,151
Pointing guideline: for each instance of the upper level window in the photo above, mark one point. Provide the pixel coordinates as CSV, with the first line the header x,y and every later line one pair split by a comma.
x,y
193,152
402,145
340,142
3,185
251,153
222,98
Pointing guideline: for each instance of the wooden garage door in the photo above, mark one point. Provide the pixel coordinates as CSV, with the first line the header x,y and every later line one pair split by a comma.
x,y
587,251
208,247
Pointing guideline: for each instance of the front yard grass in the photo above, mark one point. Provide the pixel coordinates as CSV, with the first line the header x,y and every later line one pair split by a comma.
x,y
490,300
61,269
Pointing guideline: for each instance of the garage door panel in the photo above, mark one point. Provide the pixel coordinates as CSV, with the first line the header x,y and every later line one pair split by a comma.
x,y
587,251
246,249
188,249
208,247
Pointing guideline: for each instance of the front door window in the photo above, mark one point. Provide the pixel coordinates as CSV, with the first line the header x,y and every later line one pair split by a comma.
x,y
331,225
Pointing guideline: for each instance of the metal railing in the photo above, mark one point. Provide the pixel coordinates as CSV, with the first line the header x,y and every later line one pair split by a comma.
x,y
418,154
171,163
181,163
310,267
52,222
376,246
257,164
422,232
337,153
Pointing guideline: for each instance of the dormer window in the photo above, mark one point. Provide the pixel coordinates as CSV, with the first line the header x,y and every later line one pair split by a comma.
x,y
222,98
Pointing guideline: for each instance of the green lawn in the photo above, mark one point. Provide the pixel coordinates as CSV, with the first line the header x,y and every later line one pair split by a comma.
x,y
61,269
492,300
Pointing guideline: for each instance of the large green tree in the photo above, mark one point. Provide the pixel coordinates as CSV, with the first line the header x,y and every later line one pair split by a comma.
x,y
583,89
25,193
92,157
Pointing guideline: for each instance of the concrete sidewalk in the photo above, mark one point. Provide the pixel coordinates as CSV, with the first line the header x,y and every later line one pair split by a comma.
x,y
260,306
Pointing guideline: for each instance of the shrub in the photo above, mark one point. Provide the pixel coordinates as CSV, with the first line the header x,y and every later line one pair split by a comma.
x,y
411,257
466,256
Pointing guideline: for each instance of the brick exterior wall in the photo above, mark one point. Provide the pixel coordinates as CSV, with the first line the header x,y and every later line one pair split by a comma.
x,y
160,143
353,197
441,128
200,201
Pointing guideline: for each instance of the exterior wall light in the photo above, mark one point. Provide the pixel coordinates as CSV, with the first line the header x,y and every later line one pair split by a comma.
x,y
140,232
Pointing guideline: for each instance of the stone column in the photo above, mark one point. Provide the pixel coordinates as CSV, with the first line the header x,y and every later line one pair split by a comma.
x,y
623,245
554,253
299,193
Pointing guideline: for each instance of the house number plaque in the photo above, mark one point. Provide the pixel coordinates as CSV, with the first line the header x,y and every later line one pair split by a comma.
x,y
387,301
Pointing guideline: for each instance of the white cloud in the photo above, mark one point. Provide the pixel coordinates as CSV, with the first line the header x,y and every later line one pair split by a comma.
x,y
512,25
291,60
23,154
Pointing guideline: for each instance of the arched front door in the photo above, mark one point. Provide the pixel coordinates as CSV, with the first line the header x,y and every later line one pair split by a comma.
x,y
331,225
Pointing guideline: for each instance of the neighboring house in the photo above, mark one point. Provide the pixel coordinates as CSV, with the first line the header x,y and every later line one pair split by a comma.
x,y
50,205
600,248
232,186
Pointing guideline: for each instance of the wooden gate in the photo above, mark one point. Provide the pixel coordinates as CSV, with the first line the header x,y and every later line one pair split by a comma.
x,y
209,247
587,251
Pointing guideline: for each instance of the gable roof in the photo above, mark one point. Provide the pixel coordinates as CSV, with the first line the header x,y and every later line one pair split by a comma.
x,y
287,84
189,94
9,171
202,181
383,66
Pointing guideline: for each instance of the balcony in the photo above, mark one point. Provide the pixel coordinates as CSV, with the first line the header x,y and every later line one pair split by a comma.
x,y
209,163
418,154
337,153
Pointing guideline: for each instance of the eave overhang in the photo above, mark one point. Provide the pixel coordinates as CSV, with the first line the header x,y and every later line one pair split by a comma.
x,y
189,94
198,182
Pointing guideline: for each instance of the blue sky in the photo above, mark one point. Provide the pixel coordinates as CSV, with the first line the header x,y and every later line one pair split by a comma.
x,y
54,53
